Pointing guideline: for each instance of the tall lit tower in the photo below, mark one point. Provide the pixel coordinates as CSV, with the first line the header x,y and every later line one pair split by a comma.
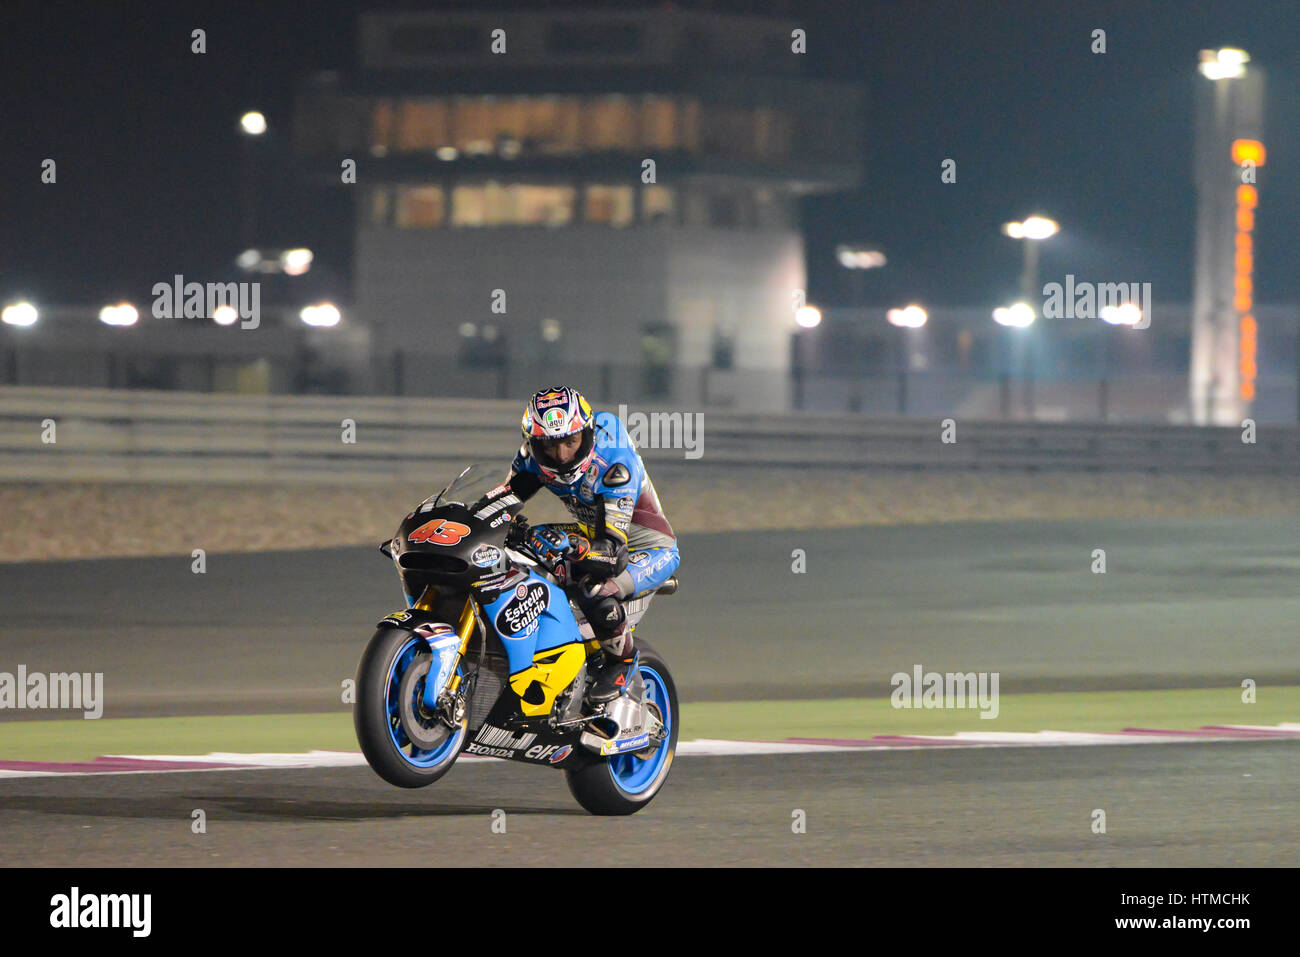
x,y
1229,120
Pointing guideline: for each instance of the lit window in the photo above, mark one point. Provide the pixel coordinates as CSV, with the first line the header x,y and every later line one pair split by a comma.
x,y
419,207
609,205
657,204
381,128
545,205
422,125
659,123
493,204
562,135
512,116
498,203
468,206
608,123
473,123
380,205
540,119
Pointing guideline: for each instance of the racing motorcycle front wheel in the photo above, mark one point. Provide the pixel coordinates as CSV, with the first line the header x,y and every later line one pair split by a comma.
x,y
404,744
625,783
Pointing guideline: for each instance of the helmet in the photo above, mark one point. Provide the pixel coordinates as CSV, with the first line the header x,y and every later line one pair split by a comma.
x,y
555,414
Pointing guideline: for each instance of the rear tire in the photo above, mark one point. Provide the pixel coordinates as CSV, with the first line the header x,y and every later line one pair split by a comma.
x,y
625,783
378,719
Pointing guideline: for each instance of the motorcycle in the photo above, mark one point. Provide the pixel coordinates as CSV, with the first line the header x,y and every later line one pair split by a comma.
x,y
491,657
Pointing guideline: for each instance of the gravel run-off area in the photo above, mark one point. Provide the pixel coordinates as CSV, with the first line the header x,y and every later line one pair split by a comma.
x,y
45,520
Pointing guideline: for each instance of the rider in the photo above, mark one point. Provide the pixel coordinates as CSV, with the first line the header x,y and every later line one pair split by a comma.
x,y
621,546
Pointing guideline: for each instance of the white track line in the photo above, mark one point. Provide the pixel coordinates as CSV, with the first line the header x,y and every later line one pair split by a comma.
x,y
702,747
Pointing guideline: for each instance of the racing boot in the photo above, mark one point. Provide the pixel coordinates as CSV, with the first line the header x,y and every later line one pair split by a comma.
x,y
608,620
614,673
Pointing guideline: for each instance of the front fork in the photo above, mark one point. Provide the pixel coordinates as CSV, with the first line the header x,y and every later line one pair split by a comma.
x,y
447,699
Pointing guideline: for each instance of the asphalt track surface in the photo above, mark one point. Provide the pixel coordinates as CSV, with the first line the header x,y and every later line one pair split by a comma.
x,y
1166,805
1183,604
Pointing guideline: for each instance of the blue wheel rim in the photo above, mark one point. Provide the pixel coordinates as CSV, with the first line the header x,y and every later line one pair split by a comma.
x,y
634,775
411,754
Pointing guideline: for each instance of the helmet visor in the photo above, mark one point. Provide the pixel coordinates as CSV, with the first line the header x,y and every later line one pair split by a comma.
x,y
562,454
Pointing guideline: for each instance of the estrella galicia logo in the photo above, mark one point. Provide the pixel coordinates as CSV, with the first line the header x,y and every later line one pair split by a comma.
x,y
519,615
485,556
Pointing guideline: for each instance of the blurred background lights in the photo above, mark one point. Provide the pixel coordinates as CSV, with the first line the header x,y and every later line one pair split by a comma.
x,y
253,123
809,317
224,315
122,314
1125,314
909,317
1225,64
851,257
1018,315
295,262
1035,227
19,314
321,314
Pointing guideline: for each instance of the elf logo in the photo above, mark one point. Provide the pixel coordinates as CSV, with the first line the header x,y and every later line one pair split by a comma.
x,y
547,752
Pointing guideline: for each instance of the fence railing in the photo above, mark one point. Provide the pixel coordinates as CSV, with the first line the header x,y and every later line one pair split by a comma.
x,y
100,434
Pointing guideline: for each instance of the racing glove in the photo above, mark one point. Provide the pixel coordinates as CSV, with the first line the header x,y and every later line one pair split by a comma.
x,y
601,559
547,542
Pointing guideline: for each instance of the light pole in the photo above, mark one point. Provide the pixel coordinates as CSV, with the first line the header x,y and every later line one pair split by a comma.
x,y
1124,315
806,318
1019,315
1030,232
857,258
252,125
21,314
905,320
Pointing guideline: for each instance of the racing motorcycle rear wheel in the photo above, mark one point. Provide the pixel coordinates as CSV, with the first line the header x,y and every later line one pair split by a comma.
x,y
625,783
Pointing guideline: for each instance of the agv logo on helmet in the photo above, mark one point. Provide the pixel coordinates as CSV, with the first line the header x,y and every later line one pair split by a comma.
x,y
551,416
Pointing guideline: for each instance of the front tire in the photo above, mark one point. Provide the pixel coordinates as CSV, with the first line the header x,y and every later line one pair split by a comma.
x,y
383,713
625,783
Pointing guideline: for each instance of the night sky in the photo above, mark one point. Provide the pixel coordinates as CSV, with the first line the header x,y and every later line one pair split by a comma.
x,y
144,134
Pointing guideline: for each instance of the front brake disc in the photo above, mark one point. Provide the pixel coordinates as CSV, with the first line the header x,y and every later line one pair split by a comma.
x,y
426,731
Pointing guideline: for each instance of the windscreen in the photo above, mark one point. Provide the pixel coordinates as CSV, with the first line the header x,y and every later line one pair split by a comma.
x,y
470,485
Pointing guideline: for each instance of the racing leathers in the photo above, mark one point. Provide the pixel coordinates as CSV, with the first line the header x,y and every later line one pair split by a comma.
x,y
624,546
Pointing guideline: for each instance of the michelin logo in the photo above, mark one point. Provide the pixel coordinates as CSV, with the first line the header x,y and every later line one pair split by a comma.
x,y
626,744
